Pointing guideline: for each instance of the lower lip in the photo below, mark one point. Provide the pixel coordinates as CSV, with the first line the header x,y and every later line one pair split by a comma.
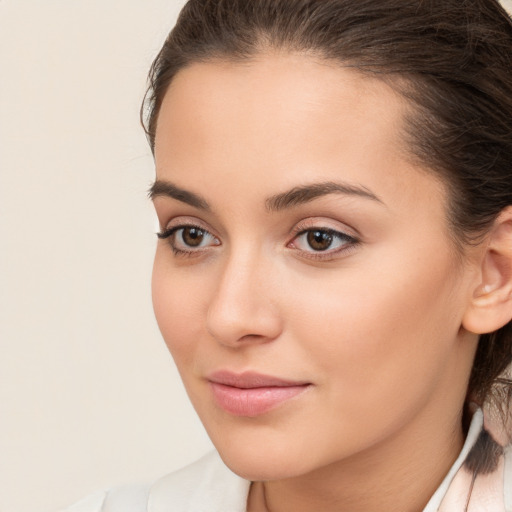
x,y
253,401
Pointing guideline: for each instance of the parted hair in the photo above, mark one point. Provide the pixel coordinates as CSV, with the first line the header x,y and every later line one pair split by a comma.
x,y
451,60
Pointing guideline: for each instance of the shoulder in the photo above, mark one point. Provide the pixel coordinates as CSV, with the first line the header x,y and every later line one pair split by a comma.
x,y
205,485
92,503
133,498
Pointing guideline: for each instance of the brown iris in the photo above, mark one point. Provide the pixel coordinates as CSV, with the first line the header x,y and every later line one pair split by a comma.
x,y
192,236
319,240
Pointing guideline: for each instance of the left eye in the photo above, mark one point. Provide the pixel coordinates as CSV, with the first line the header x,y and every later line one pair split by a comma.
x,y
321,240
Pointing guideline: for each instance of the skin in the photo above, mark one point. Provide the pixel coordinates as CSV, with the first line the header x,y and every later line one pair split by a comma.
x,y
374,326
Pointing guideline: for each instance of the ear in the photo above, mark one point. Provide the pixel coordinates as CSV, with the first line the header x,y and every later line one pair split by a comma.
x,y
490,306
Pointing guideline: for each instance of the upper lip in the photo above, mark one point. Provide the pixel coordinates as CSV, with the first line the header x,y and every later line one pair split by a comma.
x,y
250,379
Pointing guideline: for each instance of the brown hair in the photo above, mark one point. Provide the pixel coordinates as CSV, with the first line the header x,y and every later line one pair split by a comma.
x,y
452,59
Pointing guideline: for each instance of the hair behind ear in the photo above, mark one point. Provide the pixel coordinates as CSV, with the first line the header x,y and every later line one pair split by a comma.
x,y
490,313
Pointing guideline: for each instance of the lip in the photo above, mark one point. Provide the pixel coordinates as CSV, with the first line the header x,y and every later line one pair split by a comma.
x,y
252,394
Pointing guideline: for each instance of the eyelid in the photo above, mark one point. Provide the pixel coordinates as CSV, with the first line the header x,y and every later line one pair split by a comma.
x,y
185,221
323,223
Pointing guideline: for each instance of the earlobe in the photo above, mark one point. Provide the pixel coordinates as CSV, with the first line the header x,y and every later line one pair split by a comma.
x,y
490,307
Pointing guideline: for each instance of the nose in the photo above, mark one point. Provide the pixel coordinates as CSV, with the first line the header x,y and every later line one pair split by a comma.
x,y
243,309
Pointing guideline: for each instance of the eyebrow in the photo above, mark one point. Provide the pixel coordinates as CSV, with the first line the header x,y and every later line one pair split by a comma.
x,y
289,199
306,193
161,188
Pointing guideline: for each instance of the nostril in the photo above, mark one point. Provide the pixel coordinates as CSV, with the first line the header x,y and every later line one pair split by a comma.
x,y
251,337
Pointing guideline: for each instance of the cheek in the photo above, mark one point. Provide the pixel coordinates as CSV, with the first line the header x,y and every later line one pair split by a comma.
x,y
383,332
177,300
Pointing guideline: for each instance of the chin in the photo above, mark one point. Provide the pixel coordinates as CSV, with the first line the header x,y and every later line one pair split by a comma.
x,y
268,455
260,466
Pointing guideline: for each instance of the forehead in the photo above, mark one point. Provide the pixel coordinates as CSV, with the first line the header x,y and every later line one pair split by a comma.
x,y
283,119
294,97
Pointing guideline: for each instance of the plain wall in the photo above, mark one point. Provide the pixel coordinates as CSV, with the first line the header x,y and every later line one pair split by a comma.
x,y
89,397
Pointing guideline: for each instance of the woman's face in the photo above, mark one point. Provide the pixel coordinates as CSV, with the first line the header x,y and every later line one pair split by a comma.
x,y
307,286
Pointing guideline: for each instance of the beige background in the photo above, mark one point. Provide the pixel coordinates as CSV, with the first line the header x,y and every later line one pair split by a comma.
x,y
89,396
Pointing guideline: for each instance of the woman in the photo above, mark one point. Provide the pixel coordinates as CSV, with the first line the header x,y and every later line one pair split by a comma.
x,y
334,269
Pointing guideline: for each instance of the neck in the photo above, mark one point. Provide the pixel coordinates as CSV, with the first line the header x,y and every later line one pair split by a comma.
x,y
400,474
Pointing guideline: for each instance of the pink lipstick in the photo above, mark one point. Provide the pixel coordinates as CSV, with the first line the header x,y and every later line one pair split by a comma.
x,y
251,394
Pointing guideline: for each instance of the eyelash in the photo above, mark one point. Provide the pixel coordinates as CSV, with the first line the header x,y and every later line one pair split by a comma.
x,y
349,242
168,235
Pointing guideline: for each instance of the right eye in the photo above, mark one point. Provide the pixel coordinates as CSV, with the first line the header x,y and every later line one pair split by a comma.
x,y
188,239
